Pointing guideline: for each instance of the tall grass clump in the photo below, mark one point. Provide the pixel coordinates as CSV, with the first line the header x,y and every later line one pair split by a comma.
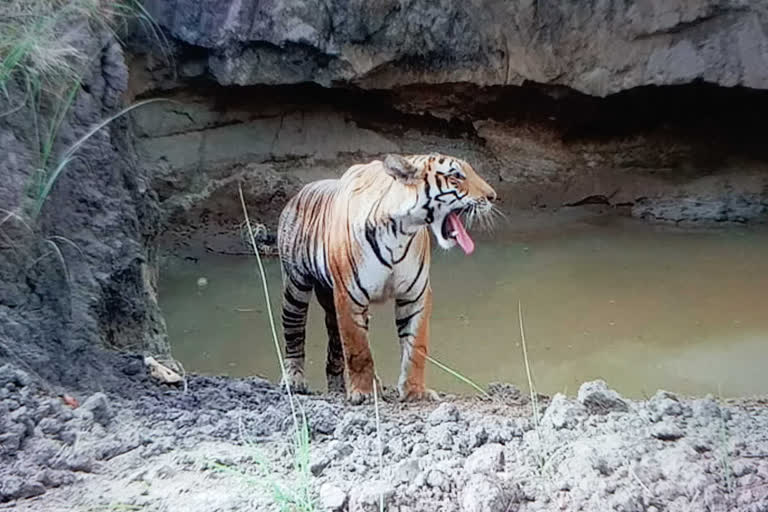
x,y
298,497
43,60
39,39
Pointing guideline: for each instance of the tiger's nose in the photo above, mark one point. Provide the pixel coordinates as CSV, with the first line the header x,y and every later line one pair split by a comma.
x,y
491,195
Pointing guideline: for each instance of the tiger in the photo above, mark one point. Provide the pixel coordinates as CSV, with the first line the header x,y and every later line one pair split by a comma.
x,y
362,239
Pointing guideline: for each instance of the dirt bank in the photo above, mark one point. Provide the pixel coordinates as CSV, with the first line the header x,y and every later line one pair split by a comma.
x,y
225,444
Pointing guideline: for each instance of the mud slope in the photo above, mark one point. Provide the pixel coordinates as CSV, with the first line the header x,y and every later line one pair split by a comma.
x,y
221,444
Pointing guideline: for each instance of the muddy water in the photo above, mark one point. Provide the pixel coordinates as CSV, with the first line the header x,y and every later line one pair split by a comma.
x,y
642,307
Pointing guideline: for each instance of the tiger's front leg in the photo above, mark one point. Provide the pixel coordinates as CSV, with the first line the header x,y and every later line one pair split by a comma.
x,y
352,319
412,314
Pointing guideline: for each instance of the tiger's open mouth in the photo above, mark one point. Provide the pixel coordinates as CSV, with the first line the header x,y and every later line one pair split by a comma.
x,y
453,229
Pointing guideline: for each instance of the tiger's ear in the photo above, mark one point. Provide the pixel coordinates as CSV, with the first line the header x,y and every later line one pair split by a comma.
x,y
401,169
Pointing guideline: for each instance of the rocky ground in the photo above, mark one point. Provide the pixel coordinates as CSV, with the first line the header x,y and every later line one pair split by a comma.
x,y
216,444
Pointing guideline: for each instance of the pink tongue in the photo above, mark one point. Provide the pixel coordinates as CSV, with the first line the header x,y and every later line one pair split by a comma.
x,y
462,237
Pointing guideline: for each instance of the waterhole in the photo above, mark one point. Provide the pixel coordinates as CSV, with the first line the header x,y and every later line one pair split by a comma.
x,y
643,307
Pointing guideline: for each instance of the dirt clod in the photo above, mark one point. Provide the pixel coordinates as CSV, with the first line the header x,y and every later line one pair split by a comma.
x,y
598,399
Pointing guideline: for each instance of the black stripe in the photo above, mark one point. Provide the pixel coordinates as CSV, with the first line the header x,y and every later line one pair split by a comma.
x,y
353,298
448,193
402,322
405,253
400,229
290,315
357,277
430,210
300,286
292,337
401,303
293,301
418,274
405,334
370,236
439,180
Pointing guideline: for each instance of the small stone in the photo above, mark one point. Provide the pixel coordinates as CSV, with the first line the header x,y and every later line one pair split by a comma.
x,y
740,468
368,496
351,424
419,450
486,459
441,436
707,409
406,470
667,431
339,450
483,493
332,498
446,412
563,413
318,463
599,399
14,376
438,480
663,404
478,436
98,405
323,418
396,447
507,392
16,488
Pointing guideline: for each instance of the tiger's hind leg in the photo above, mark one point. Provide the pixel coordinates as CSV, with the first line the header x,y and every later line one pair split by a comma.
x,y
296,296
334,365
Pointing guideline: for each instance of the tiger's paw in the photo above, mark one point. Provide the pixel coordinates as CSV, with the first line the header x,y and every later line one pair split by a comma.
x,y
336,383
359,398
296,383
364,394
419,395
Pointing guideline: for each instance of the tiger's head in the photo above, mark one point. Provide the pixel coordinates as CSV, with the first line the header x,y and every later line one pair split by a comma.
x,y
449,193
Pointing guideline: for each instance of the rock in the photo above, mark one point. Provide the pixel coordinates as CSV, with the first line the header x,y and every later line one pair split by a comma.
x,y
602,51
10,375
707,409
318,463
98,405
484,493
396,447
366,497
162,373
438,480
563,413
332,498
323,418
419,450
486,459
352,423
663,404
406,470
339,449
478,435
598,399
441,436
667,431
507,392
18,488
445,412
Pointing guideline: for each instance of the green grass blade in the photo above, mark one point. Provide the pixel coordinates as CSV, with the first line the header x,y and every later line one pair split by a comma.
x,y
70,152
459,376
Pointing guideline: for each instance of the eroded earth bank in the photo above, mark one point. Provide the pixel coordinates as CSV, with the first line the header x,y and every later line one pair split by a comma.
x,y
645,110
